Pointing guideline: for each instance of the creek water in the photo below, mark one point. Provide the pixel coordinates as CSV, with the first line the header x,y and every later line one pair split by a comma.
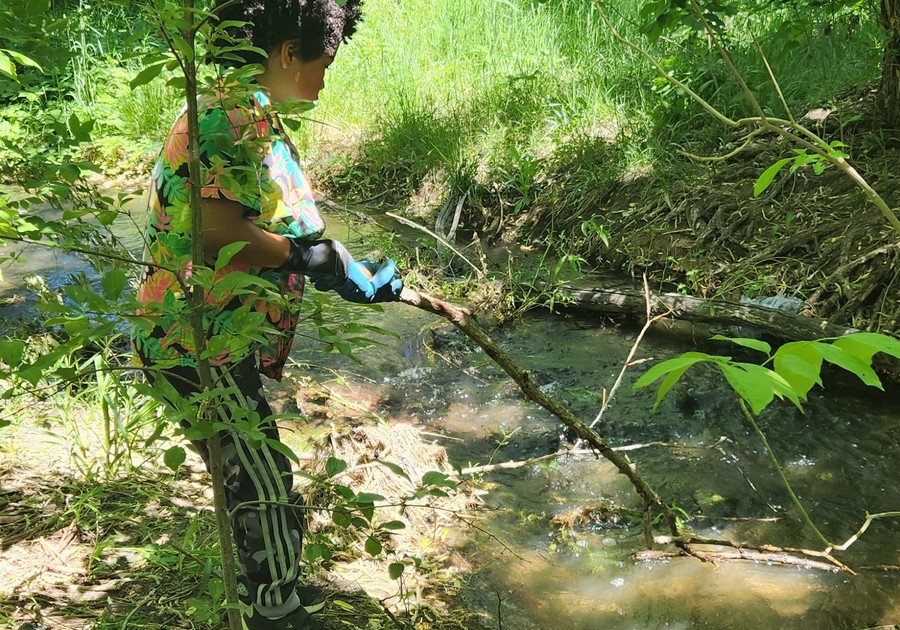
x,y
529,571
842,456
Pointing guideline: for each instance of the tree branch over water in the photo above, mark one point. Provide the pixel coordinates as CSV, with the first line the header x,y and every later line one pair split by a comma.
x,y
463,319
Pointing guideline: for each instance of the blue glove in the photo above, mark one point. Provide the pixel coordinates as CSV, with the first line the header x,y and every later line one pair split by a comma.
x,y
384,285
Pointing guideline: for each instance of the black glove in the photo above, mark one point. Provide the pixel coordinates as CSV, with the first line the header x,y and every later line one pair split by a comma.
x,y
331,266
324,261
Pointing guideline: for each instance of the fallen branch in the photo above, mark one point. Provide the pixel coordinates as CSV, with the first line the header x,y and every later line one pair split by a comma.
x,y
463,319
778,324
780,554
734,554
575,451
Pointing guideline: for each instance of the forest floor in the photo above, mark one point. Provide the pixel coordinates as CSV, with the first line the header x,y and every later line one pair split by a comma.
x,y
90,544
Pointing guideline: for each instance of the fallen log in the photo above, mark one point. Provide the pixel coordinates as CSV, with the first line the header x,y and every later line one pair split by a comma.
x,y
778,324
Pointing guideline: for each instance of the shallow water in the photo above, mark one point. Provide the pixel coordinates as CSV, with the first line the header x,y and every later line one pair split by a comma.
x,y
842,456
55,267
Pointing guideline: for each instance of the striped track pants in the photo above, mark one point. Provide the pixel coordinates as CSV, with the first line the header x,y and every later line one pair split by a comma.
x,y
258,482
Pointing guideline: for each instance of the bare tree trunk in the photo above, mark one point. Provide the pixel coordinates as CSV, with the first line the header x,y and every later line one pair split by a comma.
x,y
889,93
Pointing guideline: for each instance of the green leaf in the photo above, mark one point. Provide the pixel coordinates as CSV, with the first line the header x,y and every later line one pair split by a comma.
x,y
373,546
37,7
12,352
368,497
174,457
147,74
113,283
435,478
394,468
751,383
334,467
660,369
343,605
363,523
768,175
344,492
341,518
23,60
316,550
668,383
395,570
7,67
753,344
782,388
800,365
844,359
284,449
394,525
228,252
864,345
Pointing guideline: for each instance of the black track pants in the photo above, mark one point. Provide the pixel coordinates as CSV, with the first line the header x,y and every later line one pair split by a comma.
x,y
267,529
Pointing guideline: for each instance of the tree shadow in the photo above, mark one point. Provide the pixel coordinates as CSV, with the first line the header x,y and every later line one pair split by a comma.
x,y
139,552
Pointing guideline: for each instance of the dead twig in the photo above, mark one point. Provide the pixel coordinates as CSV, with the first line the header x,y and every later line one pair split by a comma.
x,y
650,319
473,470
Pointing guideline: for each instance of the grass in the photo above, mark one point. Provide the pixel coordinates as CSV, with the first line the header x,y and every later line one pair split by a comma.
x,y
476,88
431,85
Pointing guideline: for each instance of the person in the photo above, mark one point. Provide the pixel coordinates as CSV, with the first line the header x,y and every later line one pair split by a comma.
x,y
253,191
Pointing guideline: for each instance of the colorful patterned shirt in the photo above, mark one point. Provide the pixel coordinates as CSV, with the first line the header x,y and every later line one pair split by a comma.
x,y
246,157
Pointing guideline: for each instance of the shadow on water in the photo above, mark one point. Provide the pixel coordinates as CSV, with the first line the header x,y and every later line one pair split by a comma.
x,y
534,572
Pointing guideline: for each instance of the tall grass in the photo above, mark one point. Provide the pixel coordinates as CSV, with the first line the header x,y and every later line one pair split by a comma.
x,y
434,84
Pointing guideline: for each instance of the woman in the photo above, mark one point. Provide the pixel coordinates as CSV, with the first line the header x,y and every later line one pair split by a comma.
x,y
253,192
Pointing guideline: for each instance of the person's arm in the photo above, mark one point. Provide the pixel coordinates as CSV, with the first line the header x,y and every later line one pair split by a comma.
x,y
328,262
224,223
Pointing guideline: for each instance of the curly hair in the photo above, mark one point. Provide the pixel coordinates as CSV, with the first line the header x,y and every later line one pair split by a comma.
x,y
318,26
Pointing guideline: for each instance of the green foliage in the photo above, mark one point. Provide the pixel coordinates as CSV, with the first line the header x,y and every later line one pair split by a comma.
x,y
801,158
9,59
796,367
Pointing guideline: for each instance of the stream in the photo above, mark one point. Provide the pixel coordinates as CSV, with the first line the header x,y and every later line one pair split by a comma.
x,y
841,455
529,572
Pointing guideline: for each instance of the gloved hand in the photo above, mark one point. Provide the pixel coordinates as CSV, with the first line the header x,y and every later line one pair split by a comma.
x,y
369,282
325,261
331,266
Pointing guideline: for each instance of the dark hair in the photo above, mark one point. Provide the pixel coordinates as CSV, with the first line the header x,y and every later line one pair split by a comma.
x,y
318,26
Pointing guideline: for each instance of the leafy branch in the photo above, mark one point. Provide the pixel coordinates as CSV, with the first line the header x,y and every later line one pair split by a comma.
x,y
796,369
819,150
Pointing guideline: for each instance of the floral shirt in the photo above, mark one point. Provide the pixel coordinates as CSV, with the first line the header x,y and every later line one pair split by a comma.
x,y
246,157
